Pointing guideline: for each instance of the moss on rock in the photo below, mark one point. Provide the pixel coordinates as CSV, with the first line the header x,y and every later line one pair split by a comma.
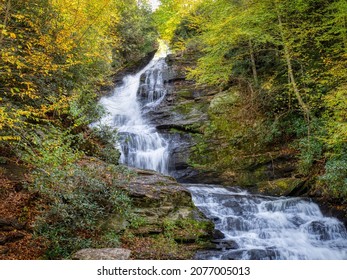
x,y
163,210
280,187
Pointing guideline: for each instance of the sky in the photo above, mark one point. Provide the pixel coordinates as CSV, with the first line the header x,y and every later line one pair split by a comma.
x,y
154,3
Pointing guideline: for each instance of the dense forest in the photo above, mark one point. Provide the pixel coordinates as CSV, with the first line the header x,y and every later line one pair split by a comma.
x,y
279,67
57,57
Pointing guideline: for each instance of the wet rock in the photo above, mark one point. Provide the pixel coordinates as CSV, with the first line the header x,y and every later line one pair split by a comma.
x,y
225,244
102,254
318,228
192,175
252,254
215,219
325,232
235,206
207,255
332,208
217,234
258,254
233,255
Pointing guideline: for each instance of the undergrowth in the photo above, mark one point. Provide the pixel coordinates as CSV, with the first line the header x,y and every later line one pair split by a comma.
x,y
77,192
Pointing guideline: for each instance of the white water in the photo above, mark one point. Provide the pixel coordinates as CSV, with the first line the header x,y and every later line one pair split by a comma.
x,y
140,144
270,228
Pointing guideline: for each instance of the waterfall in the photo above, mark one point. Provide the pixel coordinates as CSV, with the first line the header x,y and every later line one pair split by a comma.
x,y
140,143
262,227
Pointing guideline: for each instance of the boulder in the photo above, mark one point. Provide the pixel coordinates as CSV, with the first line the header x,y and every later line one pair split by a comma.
x,y
156,196
102,254
163,208
222,244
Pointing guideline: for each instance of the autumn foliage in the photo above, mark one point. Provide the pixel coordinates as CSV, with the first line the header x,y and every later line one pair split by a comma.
x,y
54,52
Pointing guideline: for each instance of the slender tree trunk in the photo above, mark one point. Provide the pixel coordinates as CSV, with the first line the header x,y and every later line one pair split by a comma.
x,y
344,36
7,16
296,91
290,69
254,69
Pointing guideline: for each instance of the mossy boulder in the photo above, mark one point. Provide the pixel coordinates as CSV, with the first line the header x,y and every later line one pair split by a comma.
x,y
280,187
163,210
157,198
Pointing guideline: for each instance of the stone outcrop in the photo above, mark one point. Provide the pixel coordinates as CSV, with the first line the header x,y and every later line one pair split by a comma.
x,y
182,116
162,210
158,198
128,69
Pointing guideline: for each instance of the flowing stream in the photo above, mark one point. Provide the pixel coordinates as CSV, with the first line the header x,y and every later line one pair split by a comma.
x,y
250,226
267,228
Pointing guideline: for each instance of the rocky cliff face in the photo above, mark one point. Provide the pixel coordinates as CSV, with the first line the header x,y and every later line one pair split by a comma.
x,y
184,116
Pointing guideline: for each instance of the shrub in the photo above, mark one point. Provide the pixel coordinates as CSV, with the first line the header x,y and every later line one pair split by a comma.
x,y
335,176
107,137
79,199
311,150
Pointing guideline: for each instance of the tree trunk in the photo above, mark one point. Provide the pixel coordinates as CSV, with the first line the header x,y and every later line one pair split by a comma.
x,y
290,69
344,36
254,69
7,16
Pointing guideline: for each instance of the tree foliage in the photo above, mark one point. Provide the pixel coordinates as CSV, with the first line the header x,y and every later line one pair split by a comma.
x,y
54,53
288,61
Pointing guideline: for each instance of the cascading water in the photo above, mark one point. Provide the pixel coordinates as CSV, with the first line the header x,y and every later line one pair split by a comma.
x,y
262,227
140,144
251,226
